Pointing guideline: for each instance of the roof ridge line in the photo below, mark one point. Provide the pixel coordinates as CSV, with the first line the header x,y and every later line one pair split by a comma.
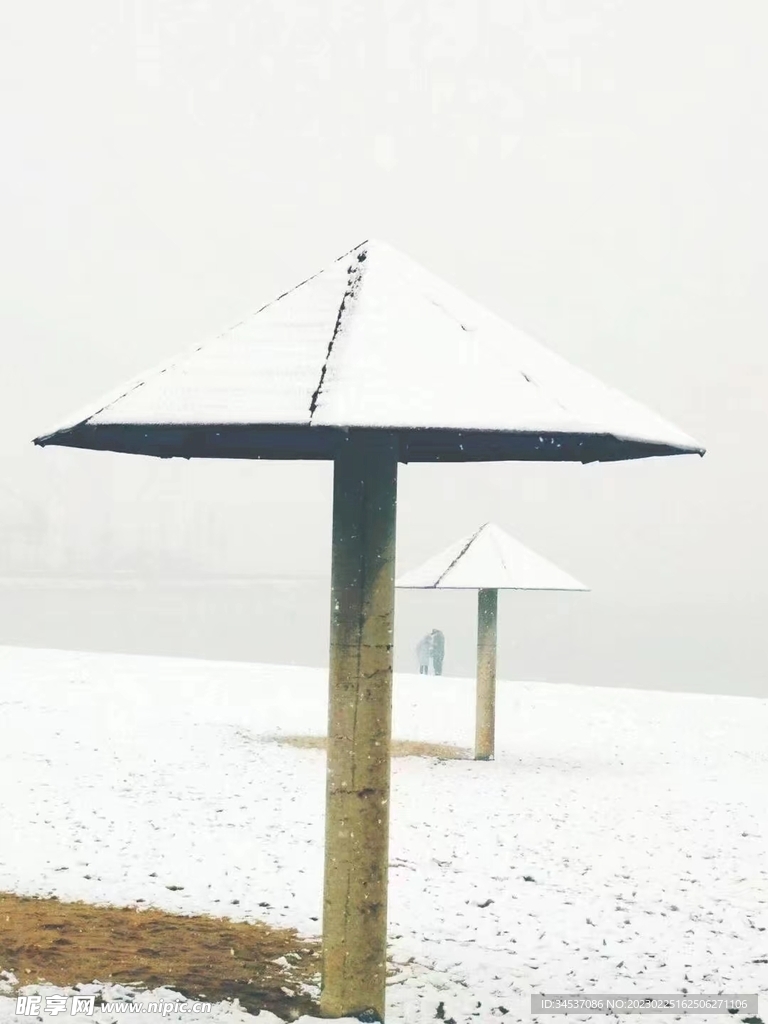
x,y
354,281
498,547
461,554
174,361
297,286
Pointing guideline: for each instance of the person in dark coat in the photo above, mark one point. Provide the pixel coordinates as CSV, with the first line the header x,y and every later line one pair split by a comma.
x,y
438,651
424,654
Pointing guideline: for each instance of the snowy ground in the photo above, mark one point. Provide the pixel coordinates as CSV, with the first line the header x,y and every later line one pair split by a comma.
x,y
616,845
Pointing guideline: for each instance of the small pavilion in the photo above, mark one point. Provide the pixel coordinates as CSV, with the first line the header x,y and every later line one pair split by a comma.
x,y
488,560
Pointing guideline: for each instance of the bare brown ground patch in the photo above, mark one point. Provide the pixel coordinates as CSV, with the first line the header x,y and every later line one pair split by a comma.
x,y
203,958
400,748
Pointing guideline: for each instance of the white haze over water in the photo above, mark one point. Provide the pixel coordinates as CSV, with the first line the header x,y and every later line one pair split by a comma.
x,y
591,170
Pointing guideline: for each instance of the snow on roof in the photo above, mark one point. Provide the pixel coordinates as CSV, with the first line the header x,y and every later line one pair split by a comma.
x,y
488,559
373,341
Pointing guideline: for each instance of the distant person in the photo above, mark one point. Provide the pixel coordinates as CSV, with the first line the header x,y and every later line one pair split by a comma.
x,y
424,654
438,650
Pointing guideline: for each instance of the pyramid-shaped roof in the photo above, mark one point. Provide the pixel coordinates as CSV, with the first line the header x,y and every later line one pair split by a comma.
x,y
488,559
373,341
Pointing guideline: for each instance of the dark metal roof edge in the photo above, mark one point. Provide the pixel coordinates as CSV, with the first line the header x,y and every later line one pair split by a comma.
x,y
201,441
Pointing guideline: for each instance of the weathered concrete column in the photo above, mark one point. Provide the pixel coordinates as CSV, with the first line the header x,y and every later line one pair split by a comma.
x,y
485,718
359,726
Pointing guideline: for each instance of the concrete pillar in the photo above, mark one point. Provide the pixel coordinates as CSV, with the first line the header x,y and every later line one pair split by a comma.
x,y
485,719
359,726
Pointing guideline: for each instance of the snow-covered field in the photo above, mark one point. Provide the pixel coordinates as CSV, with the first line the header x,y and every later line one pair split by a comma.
x,y
617,844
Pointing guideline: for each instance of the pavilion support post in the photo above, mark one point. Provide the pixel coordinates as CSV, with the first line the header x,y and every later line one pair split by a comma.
x,y
485,717
359,726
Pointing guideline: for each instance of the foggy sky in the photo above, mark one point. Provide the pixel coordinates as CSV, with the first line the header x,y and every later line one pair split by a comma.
x,y
592,170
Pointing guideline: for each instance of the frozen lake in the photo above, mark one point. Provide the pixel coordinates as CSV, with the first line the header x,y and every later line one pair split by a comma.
x,y
569,638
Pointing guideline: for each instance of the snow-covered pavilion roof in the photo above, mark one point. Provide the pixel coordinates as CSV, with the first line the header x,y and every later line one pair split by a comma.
x,y
374,341
488,559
